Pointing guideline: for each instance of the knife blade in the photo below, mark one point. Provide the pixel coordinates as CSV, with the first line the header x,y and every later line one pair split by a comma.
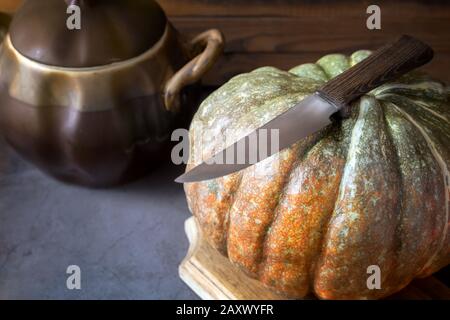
x,y
313,113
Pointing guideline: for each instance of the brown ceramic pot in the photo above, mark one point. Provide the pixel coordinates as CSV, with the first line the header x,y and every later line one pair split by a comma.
x,y
97,106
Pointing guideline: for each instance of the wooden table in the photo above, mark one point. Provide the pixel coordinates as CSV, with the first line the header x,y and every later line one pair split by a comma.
x,y
286,33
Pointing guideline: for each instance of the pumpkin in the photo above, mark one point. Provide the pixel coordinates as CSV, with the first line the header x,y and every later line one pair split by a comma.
x,y
371,189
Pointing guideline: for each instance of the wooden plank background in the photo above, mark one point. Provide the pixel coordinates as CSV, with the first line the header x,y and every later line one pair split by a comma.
x,y
285,33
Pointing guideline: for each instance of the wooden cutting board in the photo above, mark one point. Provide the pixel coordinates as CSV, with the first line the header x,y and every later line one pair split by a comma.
x,y
213,277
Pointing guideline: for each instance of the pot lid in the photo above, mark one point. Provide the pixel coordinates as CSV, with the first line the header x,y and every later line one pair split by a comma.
x,y
111,31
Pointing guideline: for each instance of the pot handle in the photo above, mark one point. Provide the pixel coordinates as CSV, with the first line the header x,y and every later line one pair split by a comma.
x,y
213,43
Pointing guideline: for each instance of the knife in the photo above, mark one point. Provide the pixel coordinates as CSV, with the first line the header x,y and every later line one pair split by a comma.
x,y
313,113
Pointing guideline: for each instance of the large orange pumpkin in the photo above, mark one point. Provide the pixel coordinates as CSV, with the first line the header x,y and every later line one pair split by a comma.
x,y
371,189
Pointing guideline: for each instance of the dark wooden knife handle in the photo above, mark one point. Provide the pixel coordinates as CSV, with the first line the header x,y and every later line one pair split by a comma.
x,y
385,64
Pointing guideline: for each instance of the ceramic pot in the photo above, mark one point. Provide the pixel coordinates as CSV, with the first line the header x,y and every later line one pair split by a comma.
x,y
96,106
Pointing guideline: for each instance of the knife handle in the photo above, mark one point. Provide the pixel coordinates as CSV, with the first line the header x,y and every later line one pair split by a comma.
x,y
385,64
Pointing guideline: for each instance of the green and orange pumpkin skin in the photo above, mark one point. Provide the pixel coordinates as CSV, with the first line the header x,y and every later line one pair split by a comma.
x,y
370,189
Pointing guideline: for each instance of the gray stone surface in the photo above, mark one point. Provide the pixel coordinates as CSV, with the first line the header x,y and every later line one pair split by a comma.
x,y
128,241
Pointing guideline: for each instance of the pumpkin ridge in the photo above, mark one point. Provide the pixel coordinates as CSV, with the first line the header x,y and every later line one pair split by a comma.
x,y
435,113
250,214
326,73
274,218
227,214
361,231
303,148
401,276
421,192
334,64
446,176
433,126
419,104
438,133
310,71
316,265
398,235
430,90
345,145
